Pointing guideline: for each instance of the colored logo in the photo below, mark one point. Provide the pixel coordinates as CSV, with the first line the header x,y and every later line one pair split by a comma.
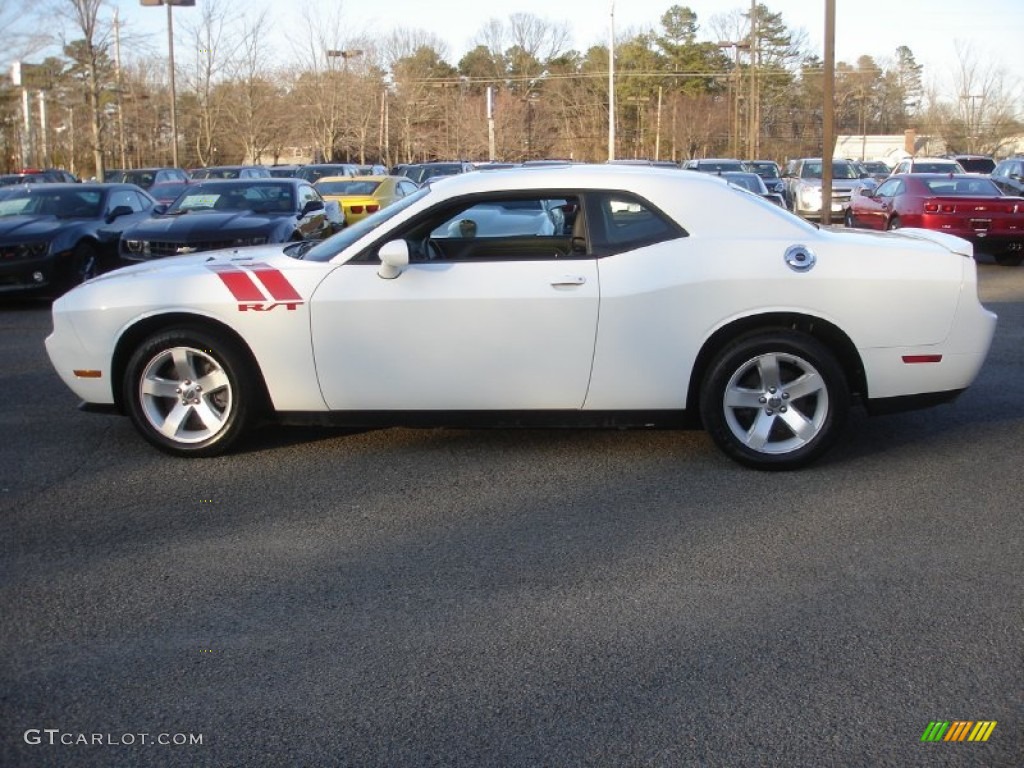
x,y
958,730
269,290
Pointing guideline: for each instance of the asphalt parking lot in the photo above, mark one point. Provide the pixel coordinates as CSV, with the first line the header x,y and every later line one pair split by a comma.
x,y
509,598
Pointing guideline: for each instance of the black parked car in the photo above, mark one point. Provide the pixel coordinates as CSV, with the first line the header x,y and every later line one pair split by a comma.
x,y
231,172
54,236
231,214
316,171
147,177
423,173
1009,176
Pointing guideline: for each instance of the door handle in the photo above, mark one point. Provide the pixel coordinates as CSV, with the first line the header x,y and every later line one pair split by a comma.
x,y
569,280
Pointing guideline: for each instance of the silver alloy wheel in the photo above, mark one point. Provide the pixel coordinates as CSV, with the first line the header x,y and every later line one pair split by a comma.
x,y
776,403
185,395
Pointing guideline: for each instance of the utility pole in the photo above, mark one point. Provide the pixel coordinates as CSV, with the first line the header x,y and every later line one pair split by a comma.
x,y
828,138
611,84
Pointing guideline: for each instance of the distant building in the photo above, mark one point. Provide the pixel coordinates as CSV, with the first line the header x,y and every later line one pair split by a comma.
x,y
890,148
893,148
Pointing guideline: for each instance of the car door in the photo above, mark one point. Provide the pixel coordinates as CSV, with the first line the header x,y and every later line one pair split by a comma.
x,y
504,319
874,210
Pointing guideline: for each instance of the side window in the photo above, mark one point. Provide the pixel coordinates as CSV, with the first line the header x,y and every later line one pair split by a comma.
x,y
504,227
306,194
126,197
619,221
889,188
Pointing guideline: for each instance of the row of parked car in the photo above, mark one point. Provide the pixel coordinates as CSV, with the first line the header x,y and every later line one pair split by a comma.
x,y
54,233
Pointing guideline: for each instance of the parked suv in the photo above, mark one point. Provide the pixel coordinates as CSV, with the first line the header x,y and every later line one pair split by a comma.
x,y
927,165
975,163
1008,175
803,185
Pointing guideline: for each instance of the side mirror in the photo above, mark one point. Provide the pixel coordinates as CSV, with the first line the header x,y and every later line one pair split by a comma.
x,y
867,192
394,257
157,210
312,205
118,212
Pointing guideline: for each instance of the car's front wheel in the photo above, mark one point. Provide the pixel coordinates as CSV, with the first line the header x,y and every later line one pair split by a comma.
x,y
849,219
189,392
775,400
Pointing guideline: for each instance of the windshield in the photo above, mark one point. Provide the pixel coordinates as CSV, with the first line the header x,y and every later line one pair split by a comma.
x,y
312,173
765,170
261,198
715,166
839,171
143,179
953,187
332,246
747,181
64,204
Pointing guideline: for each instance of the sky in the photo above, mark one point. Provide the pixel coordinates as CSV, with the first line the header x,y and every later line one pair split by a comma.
x,y
930,28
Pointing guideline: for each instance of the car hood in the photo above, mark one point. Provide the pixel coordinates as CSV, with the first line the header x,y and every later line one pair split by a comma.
x,y
195,262
203,225
28,227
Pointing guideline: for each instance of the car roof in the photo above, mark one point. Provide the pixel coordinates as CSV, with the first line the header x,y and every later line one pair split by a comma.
x,y
565,177
367,177
248,182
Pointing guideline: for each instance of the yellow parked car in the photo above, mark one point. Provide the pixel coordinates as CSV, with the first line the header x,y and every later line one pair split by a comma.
x,y
359,196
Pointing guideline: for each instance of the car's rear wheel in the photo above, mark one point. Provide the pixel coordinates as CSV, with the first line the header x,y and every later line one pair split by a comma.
x,y
189,392
894,223
775,400
1009,258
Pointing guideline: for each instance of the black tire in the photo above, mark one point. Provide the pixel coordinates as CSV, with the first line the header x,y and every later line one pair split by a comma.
x,y
848,219
1008,258
763,384
84,264
190,392
894,223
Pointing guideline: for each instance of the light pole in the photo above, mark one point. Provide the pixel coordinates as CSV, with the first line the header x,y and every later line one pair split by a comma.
x,y
170,58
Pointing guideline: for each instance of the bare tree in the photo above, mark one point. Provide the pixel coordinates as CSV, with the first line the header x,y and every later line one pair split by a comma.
x,y
982,115
89,52
215,57
325,62
254,94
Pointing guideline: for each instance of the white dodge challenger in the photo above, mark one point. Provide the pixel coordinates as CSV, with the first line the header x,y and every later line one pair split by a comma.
x,y
556,295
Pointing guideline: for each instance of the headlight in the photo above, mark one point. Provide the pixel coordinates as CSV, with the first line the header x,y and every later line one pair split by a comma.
x,y
242,242
31,250
810,197
137,246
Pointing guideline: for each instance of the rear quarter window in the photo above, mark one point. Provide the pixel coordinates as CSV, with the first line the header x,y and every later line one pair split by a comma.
x,y
620,221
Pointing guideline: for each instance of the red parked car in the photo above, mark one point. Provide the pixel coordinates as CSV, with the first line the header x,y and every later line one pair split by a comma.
x,y
971,207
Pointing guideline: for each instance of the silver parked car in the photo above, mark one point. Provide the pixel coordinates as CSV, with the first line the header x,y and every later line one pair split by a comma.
x,y
803,186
